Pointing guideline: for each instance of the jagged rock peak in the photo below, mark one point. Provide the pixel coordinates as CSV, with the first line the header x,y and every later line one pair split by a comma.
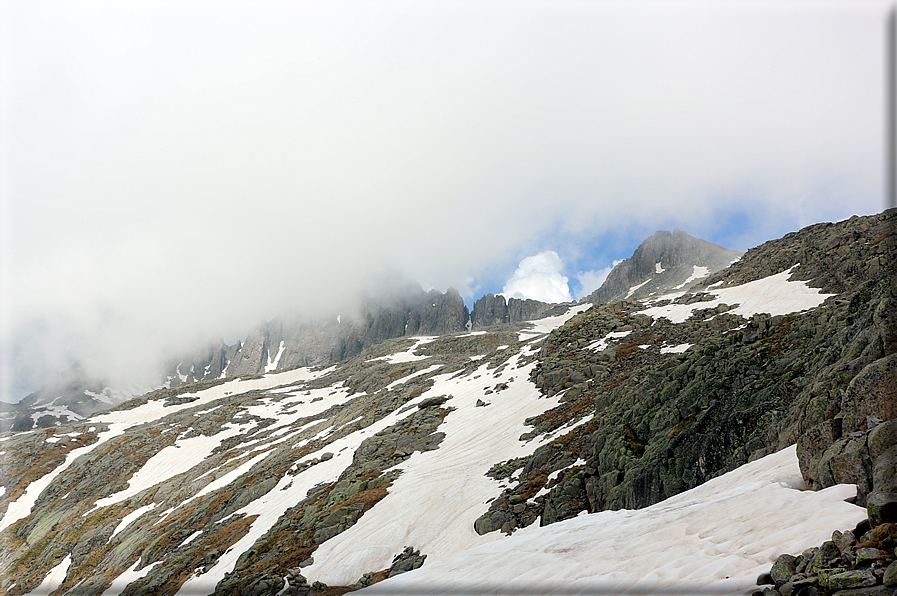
x,y
664,262
494,309
395,310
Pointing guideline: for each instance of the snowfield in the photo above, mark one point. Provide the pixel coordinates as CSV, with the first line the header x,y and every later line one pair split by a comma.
x,y
716,538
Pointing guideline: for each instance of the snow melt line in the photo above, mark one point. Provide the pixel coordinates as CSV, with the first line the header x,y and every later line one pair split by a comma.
x,y
289,490
54,579
434,503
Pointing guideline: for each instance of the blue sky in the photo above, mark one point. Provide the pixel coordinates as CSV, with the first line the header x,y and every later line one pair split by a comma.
x,y
175,171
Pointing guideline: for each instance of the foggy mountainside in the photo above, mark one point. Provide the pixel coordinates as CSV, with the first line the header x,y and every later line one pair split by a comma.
x,y
665,262
700,415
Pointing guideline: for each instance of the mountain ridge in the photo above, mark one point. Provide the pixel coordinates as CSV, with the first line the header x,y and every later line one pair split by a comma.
x,y
403,309
664,262
269,477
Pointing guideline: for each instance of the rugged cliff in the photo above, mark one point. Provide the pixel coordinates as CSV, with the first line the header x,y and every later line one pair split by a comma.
x,y
495,310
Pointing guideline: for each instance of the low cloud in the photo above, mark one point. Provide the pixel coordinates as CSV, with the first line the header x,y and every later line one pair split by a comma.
x,y
173,175
539,277
589,281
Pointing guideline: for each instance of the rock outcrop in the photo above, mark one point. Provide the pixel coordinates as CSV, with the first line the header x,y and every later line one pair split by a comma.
x,y
495,310
858,562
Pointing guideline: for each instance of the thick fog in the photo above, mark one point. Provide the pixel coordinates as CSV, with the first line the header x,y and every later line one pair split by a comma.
x,y
174,172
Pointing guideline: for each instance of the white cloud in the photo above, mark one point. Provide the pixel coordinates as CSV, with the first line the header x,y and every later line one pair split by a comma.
x,y
589,281
171,172
539,277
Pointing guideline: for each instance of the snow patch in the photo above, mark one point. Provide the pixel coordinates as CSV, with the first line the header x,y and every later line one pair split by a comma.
x,y
121,582
696,274
675,349
126,520
603,343
441,493
636,287
54,579
775,295
548,324
272,365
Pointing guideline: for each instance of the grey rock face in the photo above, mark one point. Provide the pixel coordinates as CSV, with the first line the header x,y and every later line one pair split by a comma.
x,y
676,254
291,341
495,310
882,508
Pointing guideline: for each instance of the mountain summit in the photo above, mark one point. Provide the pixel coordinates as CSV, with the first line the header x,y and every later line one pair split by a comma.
x,y
665,262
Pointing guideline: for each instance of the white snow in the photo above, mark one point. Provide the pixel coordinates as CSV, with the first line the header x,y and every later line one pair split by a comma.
x,y
169,462
408,355
54,579
122,420
719,536
126,520
555,474
636,287
440,494
675,349
21,507
289,491
230,476
602,343
419,373
51,409
192,537
696,274
121,582
658,268
272,364
774,295
548,324
102,397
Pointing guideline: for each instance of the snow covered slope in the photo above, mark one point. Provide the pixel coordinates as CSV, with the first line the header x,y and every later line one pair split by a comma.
x,y
716,538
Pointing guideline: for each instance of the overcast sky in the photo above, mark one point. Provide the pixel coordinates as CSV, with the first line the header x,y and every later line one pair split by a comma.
x,y
175,171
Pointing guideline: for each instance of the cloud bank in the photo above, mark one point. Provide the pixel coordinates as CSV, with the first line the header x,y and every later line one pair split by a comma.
x,y
589,281
174,171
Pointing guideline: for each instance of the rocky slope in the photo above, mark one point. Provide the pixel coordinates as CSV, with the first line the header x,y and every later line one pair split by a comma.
x,y
445,442
663,263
